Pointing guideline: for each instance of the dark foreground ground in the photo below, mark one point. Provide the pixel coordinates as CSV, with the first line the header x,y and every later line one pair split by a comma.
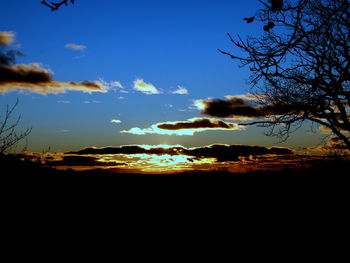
x,y
209,216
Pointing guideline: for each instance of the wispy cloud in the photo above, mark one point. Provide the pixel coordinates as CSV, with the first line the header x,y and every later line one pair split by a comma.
x,y
79,57
75,47
7,38
116,121
113,85
145,88
180,91
188,127
7,56
63,131
64,101
91,101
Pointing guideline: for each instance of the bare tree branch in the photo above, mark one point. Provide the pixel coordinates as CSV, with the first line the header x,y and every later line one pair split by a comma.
x,y
55,6
301,70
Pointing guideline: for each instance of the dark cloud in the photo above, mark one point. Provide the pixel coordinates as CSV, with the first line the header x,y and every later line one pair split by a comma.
x,y
80,161
233,152
130,149
36,79
201,123
24,74
337,143
218,151
246,107
232,107
188,127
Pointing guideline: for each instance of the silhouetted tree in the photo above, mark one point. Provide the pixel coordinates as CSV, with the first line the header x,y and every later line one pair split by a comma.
x,y
8,135
300,65
56,5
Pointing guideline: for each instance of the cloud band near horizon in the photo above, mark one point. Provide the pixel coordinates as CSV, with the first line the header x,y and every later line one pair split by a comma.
x,y
221,152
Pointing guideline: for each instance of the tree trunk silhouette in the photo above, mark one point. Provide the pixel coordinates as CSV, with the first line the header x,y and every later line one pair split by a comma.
x,y
300,67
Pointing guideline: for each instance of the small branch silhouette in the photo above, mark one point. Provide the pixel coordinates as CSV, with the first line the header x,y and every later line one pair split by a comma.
x,y
8,135
55,6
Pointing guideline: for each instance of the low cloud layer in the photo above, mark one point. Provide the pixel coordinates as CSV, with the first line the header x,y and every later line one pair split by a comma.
x,y
221,152
188,127
168,159
146,88
87,161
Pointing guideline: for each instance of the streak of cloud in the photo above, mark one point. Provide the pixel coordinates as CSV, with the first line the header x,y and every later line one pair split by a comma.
x,y
88,161
64,101
113,85
188,127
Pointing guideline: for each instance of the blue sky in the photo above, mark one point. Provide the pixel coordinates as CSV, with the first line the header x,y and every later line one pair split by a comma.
x,y
169,44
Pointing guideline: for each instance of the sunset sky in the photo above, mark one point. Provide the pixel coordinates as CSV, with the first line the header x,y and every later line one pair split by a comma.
x,y
131,73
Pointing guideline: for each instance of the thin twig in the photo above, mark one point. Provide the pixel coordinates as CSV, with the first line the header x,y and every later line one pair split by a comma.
x,y
55,6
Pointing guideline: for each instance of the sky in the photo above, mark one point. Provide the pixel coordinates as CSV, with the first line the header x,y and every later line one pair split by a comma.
x,y
131,73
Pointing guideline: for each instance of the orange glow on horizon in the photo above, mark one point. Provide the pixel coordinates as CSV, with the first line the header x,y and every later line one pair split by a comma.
x,y
174,159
